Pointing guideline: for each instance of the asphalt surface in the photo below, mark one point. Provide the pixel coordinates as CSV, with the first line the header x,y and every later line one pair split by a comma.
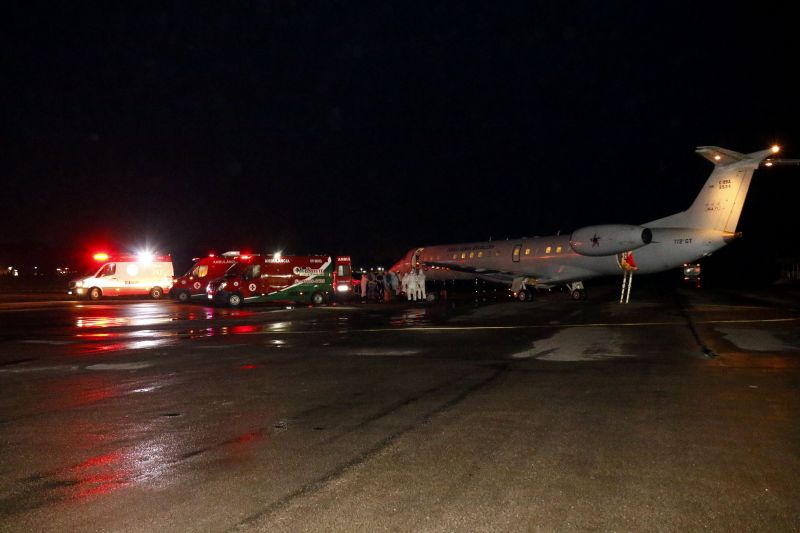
x,y
677,411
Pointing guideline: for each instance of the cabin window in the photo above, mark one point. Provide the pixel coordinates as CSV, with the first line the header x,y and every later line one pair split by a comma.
x,y
455,256
515,254
471,255
558,249
253,272
527,251
480,254
548,249
463,255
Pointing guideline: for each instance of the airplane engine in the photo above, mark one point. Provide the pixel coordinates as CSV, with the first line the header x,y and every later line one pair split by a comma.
x,y
609,239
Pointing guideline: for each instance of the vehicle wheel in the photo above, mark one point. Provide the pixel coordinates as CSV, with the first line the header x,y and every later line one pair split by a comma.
x,y
95,293
432,296
578,294
317,298
156,293
523,295
234,299
183,296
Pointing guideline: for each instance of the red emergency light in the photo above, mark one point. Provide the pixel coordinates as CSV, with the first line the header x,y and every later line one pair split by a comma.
x,y
100,256
212,255
245,257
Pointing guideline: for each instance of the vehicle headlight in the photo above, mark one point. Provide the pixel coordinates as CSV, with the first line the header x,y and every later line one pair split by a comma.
x,y
79,284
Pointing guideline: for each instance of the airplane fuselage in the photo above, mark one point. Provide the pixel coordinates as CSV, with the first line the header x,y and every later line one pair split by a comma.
x,y
603,250
550,259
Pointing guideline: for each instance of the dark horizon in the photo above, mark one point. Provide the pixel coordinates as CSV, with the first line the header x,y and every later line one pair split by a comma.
x,y
369,130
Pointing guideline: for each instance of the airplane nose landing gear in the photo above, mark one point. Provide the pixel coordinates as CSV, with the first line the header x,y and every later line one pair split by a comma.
x,y
576,290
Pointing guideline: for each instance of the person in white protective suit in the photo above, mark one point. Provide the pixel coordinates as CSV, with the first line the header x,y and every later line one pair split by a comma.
x,y
363,285
411,286
421,295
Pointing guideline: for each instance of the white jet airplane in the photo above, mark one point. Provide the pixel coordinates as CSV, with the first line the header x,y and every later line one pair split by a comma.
x,y
603,250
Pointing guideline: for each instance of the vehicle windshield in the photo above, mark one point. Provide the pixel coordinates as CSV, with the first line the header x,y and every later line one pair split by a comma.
x,y
198,271
236,269
109,269
189,272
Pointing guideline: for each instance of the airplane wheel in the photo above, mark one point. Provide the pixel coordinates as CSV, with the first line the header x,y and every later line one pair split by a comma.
x,y
524,296
578,294
95,293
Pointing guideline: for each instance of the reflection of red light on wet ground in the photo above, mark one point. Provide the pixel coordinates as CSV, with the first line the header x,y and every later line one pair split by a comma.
x,y
98,460
104,348
244,329
99,475
248,367
249,436
78,391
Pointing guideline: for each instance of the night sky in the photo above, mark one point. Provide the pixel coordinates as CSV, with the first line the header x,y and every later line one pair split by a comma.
x,y
368,128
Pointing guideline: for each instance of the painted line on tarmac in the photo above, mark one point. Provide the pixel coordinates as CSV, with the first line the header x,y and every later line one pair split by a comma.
x,y
24,370
523,327
120,366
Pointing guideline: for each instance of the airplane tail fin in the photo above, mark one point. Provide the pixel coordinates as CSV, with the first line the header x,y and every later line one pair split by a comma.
x,y
720,202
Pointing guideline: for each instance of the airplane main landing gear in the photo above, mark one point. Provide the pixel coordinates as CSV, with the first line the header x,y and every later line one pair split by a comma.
x,y
525,295
577,291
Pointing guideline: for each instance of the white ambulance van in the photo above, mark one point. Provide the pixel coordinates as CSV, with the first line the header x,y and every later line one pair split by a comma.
x,y
126,275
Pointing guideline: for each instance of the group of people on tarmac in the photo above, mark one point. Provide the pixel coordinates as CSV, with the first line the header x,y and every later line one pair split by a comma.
x,y
391,285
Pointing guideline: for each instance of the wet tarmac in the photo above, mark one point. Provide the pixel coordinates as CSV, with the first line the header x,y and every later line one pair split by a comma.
x,y
677,411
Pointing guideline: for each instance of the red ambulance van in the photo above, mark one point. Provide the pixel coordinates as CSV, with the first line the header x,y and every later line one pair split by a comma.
x,y
280,278
192,285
